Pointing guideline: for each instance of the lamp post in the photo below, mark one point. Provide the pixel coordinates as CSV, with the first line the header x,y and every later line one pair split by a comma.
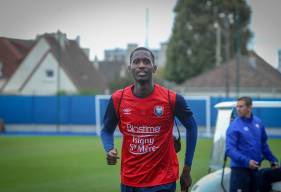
x,y
227,20
238,52
58,80
218,43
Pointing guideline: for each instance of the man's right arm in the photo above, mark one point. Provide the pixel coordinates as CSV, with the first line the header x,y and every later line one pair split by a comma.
x,y
110,122
267,153
185,115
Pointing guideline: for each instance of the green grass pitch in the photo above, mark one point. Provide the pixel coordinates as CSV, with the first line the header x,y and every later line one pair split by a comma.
x,y
73,163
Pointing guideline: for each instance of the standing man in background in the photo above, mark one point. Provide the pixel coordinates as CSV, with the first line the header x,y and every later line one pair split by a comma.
x,y
246,145
145,113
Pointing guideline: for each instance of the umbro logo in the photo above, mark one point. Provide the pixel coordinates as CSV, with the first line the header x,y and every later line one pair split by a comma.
x,y
127,111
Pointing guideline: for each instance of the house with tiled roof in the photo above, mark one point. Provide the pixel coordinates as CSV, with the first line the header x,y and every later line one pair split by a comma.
x,y
12,52
112,70
250,75
55,64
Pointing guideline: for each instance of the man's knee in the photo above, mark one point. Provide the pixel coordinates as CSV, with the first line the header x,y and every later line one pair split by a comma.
x,y
267,177
239,180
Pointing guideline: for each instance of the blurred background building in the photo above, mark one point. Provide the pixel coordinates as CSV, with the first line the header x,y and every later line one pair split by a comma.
x,y
47,65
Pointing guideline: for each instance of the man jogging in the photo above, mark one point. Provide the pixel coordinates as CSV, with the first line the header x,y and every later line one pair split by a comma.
x,y
145,112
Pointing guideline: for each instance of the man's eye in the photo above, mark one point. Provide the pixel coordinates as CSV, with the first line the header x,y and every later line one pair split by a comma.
x,y
136,61
146,61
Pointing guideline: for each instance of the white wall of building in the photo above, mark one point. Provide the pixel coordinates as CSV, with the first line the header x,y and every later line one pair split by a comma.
x,y
41,83
26,67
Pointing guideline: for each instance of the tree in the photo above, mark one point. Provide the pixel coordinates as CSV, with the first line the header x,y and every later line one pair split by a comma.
x,y
192,46
120,83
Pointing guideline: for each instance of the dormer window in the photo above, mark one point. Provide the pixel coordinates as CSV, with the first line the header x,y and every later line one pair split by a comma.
x,y
49,73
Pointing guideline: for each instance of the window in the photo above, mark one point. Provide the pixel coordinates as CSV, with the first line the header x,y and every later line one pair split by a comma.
x,y
49,73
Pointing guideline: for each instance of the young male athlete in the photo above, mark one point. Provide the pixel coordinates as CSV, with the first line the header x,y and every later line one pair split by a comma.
x,y
145,114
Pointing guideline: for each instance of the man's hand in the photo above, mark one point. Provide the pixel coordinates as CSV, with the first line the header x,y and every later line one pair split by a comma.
x,y
253,164
274,165
185,179
112,157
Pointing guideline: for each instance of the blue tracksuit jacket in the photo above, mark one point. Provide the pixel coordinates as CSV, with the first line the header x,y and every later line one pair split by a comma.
x,y
246,140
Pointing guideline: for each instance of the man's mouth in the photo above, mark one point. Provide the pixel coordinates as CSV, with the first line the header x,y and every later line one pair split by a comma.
x,y
142,73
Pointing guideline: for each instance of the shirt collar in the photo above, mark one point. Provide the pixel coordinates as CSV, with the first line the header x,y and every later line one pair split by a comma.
x,y
247,119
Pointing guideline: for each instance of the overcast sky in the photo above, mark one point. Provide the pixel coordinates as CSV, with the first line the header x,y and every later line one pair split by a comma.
x,y
107,24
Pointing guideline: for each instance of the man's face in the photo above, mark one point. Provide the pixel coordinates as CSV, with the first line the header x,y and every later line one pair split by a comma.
x,y
141,66
242,109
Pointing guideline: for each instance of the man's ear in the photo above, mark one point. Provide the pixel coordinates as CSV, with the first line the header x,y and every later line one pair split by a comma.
x,y
154,68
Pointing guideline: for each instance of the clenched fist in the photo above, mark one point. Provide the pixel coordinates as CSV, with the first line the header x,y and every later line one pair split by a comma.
x,y
112,157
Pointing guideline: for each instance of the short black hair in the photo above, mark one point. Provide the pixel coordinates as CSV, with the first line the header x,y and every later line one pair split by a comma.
x,y
248,100
144,49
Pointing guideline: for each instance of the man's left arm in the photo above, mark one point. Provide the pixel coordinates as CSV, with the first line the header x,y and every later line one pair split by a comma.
x,y
266,150
185,115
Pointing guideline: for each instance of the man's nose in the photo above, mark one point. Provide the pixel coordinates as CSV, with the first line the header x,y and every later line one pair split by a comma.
x,y
141,64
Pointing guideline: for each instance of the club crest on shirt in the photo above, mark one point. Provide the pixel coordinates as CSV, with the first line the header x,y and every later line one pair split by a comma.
x,y
246,129
158,110
257,126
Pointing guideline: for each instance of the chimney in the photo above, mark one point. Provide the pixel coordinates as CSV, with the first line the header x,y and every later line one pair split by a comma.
x,y
61,38
87,52
96,62
78,40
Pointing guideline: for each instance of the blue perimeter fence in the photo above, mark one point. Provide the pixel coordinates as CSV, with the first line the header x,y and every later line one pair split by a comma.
x,y
81,110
